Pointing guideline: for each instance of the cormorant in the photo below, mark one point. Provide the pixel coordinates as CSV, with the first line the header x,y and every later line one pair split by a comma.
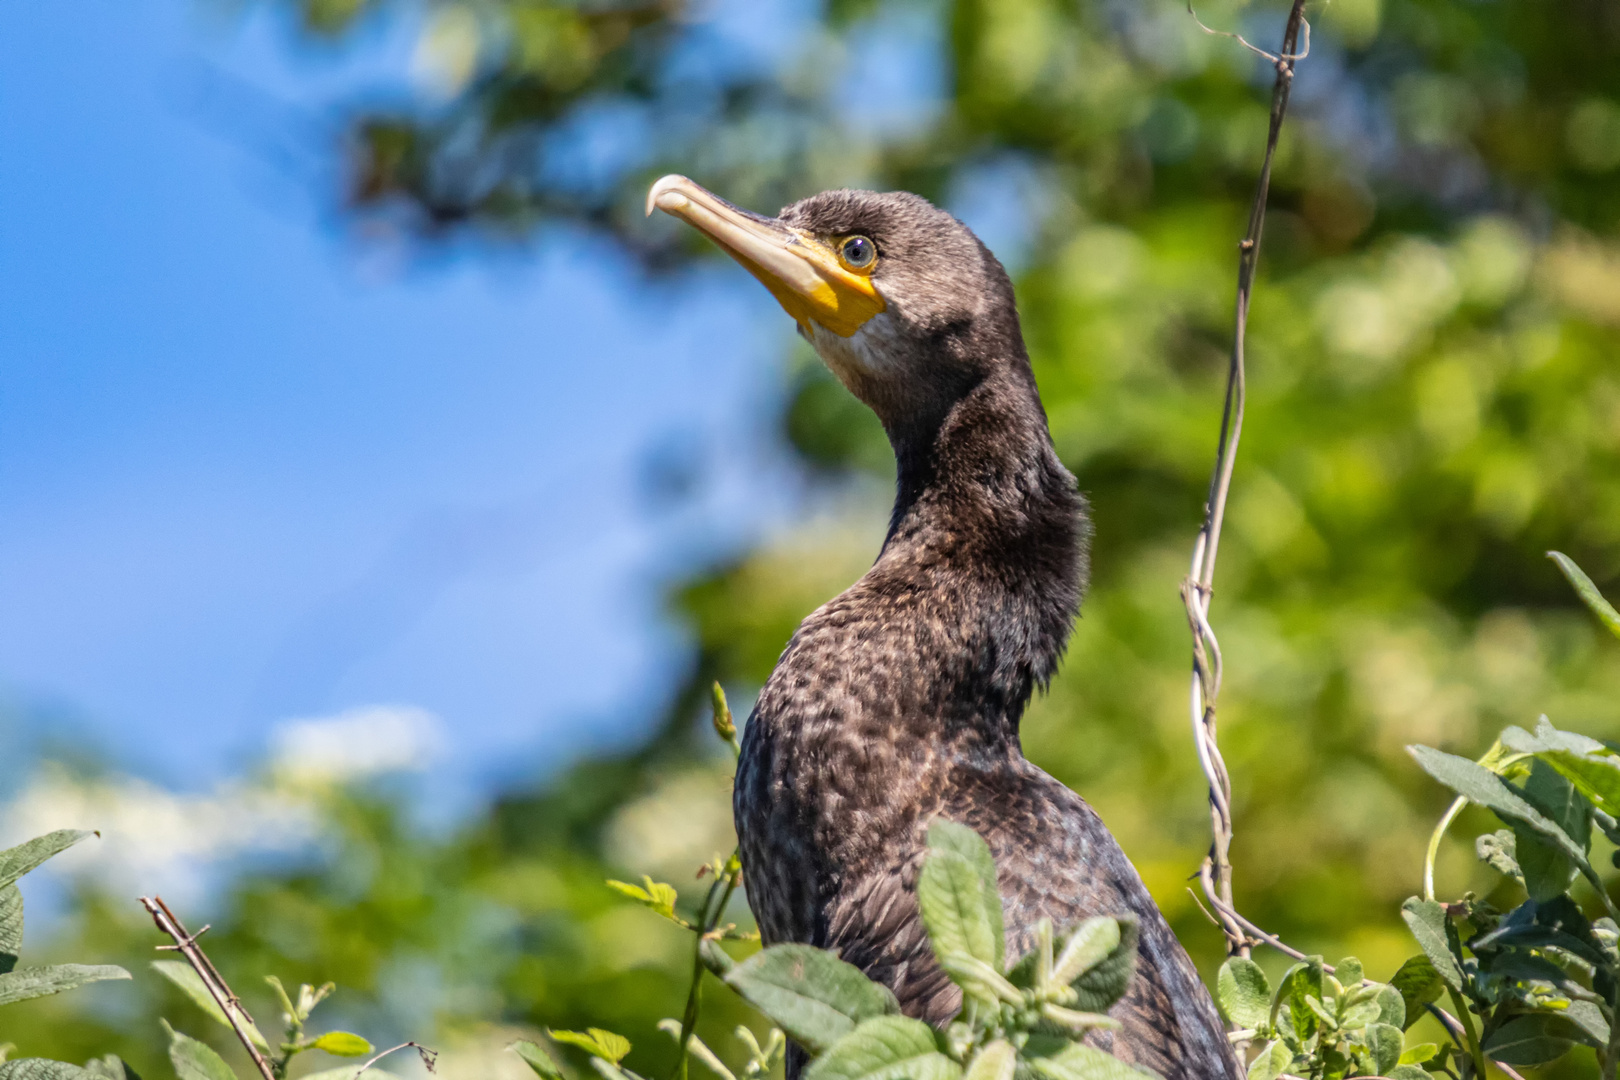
x,y
899,699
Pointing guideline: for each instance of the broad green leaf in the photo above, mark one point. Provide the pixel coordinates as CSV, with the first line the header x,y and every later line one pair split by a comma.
x,y
995,1062
1391,1007
1546,867
1418,983
195,1060
537,1059
1478,784
885,1048
1300,984
1408,1072
1384,1041
1270,1062
42,1069
343,1044
1348,972
1588,592
1080,1062
1092,942
1106,981
1587,1024
186,978
1595,775
1416,1055
25,983
956,894
596,1042
1548,738
1427,921
1533,1039
11,927
809,993
656,895
1499,851
17,861
1243,992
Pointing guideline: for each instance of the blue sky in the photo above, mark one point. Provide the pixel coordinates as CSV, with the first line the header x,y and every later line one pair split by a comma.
x,y
251,469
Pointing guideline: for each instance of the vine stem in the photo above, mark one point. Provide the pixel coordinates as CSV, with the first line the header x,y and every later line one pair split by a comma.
x,y
1199,586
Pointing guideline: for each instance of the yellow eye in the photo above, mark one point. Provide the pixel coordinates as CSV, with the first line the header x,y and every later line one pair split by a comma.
x,y
857,252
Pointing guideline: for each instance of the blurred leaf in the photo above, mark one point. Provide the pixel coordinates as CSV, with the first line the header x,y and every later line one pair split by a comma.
x,y
596,1042
1270,1063
11,927
348,1072
537,1059
994,1062
1478,784
1081,1062
195,1060
885,1048
1106,981
956,893
25,983
110,1067
17,861
1092,942
1408,1072
1587,591
1547,869
656,895
1243,993
1534,1039
809,993
343,1044
182,975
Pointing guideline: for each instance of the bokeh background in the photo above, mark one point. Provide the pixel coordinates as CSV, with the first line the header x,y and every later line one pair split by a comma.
x,y
380,492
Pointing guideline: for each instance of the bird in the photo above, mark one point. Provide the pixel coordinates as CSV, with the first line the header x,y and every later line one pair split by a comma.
x,y
898,701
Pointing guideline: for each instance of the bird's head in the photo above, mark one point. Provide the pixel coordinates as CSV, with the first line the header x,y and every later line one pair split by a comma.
x,y
900,299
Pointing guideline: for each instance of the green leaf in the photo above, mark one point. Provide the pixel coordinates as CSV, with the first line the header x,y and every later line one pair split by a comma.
x,y
1498,851
1533,1039
1427,921
1300,984
1595,774
1384,1041
809,993
1478,784
596,1042
110,1068
1588,592
1391,1007
343,1044
1092,942
956,894
1587,1024
17,861
1546,867
11,927
1408,1072
1418,983
42,1069
25,983
1416,1055
1243,993
537,1059
655,895
182,975
1080,1062
1271,1061
995,1062
1348,972
195,1060
1107,980
885,1048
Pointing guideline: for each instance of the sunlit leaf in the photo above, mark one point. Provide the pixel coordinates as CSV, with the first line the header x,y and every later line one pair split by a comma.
x,y
1270,1062
195,1060
1106,981
596,1042
343,1044
1384,1040
1587,591
809,993
182,974
24,983
11,927
1090,943
886,1048
42,1069
1081,1062
17,861
995,1062
656,895
956,894
1243,993
537,1059
1419,982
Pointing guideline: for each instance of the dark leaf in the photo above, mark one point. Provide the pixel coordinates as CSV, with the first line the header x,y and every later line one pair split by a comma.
x,y
1300,984
11,927
1546,867
1419,983
1478,784
1427,921
1533,1039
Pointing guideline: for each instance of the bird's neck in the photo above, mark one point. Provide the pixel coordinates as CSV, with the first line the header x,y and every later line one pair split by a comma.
x,y
989,536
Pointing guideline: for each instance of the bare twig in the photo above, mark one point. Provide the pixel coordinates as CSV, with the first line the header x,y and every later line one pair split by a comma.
x,y
228,1002
430,1058
1199,586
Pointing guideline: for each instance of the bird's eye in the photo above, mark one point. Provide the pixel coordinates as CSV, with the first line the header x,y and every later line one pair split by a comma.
x,y
857,252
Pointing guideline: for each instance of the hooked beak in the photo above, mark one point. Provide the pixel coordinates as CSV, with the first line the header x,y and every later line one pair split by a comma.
x,y
801,271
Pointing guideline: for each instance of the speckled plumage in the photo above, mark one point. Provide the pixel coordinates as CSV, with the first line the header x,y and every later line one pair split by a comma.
x,y
900,699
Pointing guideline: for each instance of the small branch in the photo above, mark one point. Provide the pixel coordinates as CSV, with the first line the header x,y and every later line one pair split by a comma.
x,y
1199,587
430,1058
228,1002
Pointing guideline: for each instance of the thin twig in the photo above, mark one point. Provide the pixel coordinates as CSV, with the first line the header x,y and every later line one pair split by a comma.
x,y
218,989
430,1058
1199,586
